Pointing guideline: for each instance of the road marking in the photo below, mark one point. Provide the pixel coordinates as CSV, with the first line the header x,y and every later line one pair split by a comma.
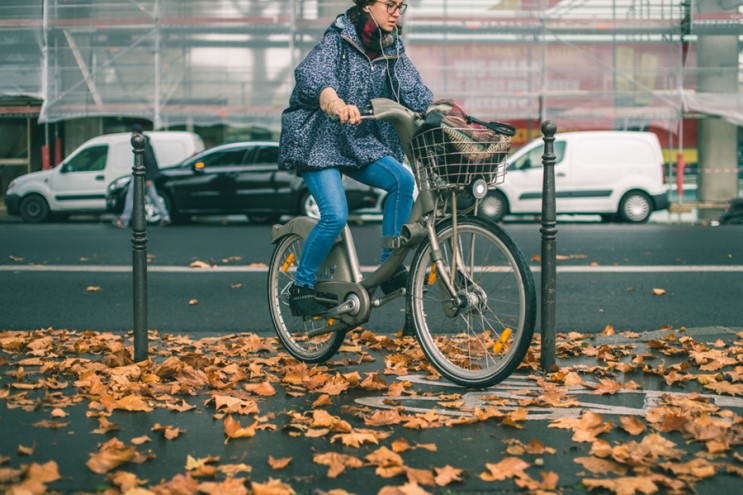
x,y
518,388
368,269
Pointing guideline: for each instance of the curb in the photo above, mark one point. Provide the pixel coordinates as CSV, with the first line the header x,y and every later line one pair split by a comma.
x,y
696,333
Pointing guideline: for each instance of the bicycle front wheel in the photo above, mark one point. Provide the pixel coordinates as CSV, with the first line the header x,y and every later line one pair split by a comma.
x,y
293,330
480,337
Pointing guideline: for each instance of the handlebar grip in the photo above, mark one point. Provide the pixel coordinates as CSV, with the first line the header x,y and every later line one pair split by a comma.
x,y
366,114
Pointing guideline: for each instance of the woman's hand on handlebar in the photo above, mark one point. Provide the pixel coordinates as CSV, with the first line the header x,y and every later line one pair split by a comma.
x,y
347,114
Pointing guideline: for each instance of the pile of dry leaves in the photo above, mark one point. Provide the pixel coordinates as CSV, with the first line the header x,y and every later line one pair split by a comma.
x,y
232,377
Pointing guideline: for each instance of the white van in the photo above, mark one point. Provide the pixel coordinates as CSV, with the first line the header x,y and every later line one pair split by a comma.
x,y
78,184
614,174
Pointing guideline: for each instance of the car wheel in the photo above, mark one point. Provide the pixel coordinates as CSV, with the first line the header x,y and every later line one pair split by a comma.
x,y
263,218
494,206
175,216
635,207
308,206
34,209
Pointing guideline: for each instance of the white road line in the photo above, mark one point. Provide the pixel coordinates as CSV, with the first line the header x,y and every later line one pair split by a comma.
x,y
263,269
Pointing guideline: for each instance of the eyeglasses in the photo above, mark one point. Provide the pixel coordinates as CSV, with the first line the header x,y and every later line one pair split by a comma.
x,y
395,7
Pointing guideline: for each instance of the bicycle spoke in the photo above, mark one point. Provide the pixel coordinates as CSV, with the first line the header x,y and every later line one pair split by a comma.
x,y
466,342
293,330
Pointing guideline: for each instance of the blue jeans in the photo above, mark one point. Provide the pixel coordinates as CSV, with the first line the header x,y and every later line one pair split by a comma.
x,y
327,188
149,190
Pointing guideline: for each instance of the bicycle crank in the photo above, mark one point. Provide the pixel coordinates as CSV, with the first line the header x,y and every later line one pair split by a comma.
x,y
351,306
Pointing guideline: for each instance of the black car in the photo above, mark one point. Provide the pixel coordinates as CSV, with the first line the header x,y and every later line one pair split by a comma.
x,y
733,214
237,178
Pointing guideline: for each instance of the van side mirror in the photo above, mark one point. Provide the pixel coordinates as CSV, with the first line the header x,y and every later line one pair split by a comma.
x,y
198,166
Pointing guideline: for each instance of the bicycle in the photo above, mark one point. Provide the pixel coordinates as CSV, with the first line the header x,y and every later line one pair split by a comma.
x,y
470,295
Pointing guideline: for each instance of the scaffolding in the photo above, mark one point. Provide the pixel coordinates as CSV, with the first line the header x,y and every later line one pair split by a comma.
x,y
623,64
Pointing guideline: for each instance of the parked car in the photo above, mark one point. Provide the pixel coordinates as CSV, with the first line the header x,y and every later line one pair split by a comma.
x,y
733,214
614,174
237,178
78,184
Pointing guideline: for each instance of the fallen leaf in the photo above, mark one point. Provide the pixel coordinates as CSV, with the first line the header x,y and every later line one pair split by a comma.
x,y
406,489
264,389
278,463
632,425
337,462
623,486
230,486
447,474
202,467
23,450
507,468
725,387
127,482
59,413
51,424
168,432
140,440
356,438
110,455
231,470
233,429
200,264
44,473
420,476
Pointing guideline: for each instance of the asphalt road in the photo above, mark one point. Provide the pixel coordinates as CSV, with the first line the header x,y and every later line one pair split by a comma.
x,y
78,275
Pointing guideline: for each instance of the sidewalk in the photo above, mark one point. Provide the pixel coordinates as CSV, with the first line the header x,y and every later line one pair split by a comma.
x,y
630,413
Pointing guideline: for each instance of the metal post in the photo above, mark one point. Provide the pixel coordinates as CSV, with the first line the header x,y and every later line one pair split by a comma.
x,y
139,251
549,250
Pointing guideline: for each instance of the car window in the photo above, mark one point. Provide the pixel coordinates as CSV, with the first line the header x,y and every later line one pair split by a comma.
x,y
267,154
533,158
225,158
88,160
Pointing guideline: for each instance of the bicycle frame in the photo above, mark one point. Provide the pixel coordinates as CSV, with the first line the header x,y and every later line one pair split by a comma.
x,y
470,297
341,269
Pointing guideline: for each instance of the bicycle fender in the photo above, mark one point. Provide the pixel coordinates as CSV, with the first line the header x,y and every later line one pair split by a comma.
x,y
301,226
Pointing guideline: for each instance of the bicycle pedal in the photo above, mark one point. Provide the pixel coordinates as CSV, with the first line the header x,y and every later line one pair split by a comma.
x,y
393,242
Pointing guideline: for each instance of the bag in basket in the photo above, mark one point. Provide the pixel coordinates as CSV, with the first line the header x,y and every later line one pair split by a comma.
x,y
466,135
463,146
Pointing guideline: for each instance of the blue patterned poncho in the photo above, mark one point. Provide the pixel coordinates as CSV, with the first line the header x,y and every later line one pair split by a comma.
x,y
309,139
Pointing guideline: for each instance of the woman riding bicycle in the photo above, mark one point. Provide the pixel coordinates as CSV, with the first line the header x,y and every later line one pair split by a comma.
x,y
360,57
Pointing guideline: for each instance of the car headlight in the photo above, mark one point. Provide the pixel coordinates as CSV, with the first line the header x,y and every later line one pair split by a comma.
x,y
11,186
119,183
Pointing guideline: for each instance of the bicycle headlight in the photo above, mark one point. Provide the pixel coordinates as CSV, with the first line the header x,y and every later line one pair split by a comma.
x,y
479,188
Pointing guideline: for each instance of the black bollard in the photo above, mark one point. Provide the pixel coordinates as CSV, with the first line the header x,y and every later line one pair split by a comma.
x,y
549,249
139,251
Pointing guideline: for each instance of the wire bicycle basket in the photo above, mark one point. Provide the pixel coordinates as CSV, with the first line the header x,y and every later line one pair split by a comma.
x,y
451,157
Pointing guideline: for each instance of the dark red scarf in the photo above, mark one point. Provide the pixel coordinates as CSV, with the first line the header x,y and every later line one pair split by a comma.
x,y
372,37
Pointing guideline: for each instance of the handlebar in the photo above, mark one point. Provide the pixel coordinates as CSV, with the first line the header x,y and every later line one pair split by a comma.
x,y
405,121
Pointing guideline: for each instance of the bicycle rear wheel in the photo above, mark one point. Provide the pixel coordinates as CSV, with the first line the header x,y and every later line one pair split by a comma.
x,y
482,340
292,330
